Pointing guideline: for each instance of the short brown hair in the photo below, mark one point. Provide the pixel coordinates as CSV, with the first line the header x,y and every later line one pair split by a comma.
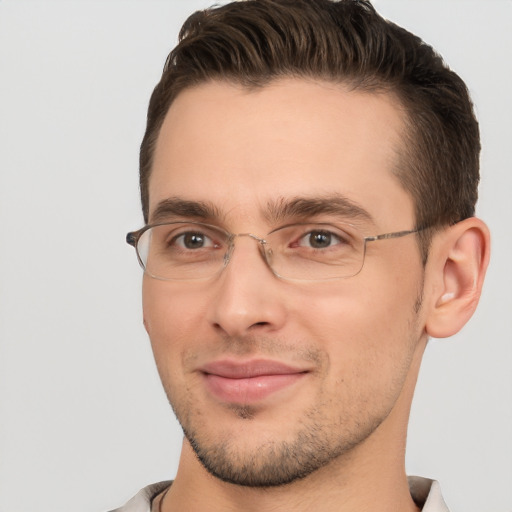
x,y
253,42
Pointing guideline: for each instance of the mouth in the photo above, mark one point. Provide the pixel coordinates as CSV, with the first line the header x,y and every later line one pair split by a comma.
x,y
249,382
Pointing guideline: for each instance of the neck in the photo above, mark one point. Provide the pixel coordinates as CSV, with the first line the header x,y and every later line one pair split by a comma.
x,y
335,487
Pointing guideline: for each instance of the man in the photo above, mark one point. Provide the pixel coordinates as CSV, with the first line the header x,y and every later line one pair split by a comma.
x,y
308,181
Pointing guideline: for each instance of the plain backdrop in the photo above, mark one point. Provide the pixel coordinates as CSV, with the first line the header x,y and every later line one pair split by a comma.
x,y
83,420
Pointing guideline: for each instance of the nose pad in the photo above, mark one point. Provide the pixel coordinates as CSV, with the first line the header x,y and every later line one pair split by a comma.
x,y
265,250
229,252
266,254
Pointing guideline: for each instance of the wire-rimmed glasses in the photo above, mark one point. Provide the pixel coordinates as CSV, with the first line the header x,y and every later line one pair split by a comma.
x,y
186,251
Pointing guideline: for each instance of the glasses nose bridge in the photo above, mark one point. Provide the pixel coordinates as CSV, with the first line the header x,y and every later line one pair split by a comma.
x,y
250,235
231,247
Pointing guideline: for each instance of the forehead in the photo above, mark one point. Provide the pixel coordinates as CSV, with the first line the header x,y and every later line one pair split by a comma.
x,y
241,148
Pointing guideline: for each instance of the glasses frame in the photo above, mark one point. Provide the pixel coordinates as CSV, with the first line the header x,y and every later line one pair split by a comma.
x,y
133,237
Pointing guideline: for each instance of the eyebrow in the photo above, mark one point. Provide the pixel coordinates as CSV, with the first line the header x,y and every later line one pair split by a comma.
x,y
177,207
307,207
276,211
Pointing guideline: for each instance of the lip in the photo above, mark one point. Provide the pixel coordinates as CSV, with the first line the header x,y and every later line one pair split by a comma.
x,y
248,382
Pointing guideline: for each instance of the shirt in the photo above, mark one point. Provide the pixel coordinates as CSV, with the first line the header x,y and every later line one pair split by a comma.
x,y
425,492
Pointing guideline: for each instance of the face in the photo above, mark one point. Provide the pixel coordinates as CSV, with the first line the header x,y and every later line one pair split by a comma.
x,y
273,379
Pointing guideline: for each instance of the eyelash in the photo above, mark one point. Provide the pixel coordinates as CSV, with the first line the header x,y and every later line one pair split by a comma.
x,y
175,240
308,238
298,236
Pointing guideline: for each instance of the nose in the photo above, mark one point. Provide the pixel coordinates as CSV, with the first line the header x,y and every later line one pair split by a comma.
x,y
247,298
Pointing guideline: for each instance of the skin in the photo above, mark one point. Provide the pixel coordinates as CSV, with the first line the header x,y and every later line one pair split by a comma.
x,y
359,341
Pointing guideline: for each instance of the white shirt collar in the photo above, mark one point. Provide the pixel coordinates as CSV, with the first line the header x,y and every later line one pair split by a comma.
x,y
425,492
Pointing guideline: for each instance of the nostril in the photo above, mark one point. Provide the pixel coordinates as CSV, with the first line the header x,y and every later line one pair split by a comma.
x,y
260,324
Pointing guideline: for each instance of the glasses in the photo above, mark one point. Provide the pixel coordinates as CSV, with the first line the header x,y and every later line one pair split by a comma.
x,y
187,251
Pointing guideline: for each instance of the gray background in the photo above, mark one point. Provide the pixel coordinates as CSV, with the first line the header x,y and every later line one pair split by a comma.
x,y
83,421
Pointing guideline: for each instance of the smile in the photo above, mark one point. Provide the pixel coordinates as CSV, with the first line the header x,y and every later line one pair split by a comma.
x,y
250,382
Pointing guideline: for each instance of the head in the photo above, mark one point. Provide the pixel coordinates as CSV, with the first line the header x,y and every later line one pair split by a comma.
x,y
277,112
252,43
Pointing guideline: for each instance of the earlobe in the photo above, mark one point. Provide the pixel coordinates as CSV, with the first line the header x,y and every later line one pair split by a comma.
x,y
461,256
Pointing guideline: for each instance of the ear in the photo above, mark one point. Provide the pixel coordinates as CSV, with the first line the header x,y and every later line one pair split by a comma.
x,y
457,264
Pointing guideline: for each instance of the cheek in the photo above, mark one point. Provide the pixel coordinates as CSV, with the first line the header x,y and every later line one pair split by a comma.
x,y
357,306
172,317
367,328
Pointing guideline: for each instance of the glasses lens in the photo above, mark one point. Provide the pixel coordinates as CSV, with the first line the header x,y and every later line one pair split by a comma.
x,y
316,251
309,252
182,251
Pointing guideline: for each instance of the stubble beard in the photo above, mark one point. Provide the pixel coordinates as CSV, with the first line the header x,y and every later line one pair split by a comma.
x,y
318,439
276,463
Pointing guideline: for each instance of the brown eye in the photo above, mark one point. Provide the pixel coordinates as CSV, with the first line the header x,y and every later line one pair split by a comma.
x,y
319,239
193,240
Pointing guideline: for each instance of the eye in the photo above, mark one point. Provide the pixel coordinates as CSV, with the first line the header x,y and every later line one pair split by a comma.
x,y
193,240
319,239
